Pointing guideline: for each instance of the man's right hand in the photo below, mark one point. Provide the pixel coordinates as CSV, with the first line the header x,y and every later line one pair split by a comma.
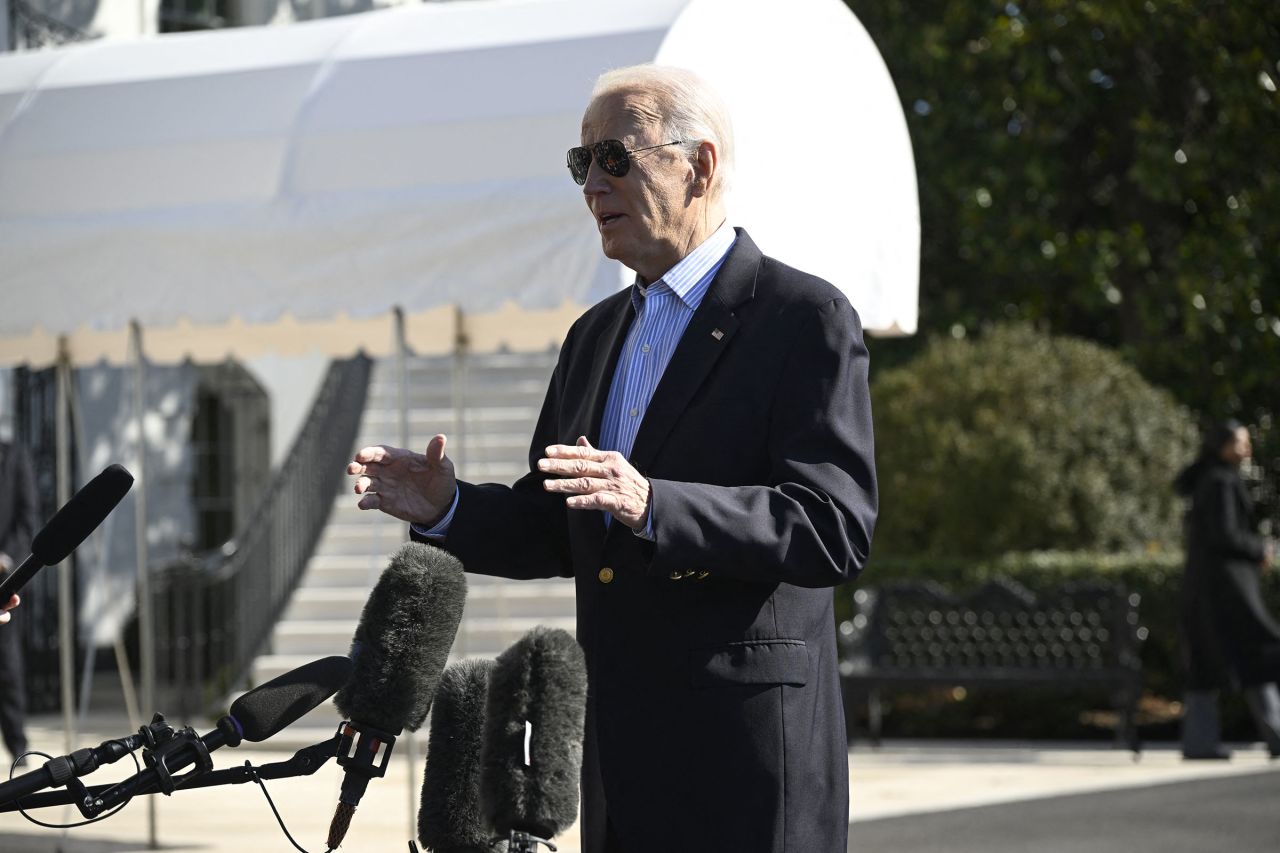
x,y
413,487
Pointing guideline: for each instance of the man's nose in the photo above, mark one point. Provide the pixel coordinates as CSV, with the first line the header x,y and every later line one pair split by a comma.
x,y
597,180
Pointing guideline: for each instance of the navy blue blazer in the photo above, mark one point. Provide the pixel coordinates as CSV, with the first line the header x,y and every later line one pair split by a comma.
x,y
714,717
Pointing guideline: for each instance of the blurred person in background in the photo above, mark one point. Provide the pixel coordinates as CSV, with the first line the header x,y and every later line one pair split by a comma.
x,y
8,605
19,518
1230,640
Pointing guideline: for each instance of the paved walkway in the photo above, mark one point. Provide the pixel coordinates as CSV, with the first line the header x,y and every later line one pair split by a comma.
x,y
901,778
1235,813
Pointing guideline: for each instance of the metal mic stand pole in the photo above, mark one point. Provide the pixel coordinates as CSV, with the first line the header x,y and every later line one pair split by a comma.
x,y
304,762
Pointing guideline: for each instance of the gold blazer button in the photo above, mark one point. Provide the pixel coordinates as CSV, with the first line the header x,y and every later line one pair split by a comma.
x,y
606,575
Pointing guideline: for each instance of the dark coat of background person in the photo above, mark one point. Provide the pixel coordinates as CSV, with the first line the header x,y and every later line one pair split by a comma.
x,y
19,519
1230,634
714,717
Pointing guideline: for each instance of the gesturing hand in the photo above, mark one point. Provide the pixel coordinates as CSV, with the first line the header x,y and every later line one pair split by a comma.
x,y
413,487
597,479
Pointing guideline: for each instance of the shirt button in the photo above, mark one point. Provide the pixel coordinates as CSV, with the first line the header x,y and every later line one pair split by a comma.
x,y
635,412
644,348
606,575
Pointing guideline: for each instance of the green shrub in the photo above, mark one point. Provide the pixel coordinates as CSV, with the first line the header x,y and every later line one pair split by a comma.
x,y
1020,441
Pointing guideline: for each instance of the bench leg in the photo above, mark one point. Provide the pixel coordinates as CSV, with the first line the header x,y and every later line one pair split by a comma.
x,y
875,715
1126,701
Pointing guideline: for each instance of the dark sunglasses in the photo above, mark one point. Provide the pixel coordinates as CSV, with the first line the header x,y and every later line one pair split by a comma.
x,y
610,155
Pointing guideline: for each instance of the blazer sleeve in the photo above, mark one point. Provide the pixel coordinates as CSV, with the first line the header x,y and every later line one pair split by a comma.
x,y
811,524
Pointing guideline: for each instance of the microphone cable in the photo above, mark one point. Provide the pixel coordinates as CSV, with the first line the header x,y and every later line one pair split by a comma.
x,y
257,780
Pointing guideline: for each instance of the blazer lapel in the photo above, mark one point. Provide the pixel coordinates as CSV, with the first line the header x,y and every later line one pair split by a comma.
x,y
709,333
596,395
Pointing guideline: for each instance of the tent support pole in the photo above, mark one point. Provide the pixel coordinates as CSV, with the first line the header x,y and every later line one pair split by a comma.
x,y
458,404
402,381
402,405
461,344
146,624
66,610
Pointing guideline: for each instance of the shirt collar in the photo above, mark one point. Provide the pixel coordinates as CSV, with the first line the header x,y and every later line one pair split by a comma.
x,y
690,271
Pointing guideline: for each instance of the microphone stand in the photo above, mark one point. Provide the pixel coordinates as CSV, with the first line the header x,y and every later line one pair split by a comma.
x,y
526,842
304,762
153,737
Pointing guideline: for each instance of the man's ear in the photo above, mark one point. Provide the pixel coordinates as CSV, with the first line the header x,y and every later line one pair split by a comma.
x,y
705,168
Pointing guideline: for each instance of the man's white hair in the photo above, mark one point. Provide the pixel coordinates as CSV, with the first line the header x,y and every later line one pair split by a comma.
x,y
691,110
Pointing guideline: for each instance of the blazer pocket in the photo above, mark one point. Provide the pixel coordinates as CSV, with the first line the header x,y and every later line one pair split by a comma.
x,y
750,662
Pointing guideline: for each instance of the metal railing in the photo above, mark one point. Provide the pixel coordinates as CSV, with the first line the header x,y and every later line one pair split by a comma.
x,y
31,28
215,613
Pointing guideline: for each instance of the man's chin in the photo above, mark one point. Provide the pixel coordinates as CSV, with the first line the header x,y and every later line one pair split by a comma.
x,y
613,250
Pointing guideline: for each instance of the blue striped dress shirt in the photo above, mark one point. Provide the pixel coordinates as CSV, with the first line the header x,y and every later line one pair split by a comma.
x,y
663,311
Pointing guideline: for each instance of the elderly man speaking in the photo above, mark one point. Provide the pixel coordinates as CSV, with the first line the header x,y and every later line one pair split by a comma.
x,y
703,467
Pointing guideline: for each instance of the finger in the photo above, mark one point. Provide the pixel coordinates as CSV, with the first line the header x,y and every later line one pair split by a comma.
x,y
573,468
597,500
364,484
579,486
582,442
356,468
372,500
4,616
376,453
14,601
435,449
570,451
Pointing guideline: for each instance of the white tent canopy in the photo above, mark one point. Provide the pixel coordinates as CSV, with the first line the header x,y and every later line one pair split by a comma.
x,y
283,188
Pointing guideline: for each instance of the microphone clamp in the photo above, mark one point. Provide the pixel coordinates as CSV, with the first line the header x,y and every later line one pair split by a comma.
x,y
361,751
526,842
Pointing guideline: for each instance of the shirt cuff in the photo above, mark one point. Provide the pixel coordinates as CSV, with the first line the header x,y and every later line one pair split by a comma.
x,y
647,531
441,527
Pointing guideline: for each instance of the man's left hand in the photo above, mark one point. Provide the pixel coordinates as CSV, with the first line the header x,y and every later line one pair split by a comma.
x,y
597,479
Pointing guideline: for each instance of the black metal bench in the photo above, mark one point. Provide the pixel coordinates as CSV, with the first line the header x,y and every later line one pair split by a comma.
x,y
916,634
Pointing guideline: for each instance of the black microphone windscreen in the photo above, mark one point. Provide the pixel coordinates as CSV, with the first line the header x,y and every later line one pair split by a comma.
x,y
268,708
81,515
534,726
403,639
449,817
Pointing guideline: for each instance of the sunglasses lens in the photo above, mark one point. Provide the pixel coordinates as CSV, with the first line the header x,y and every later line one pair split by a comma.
x,y
612,157
579,162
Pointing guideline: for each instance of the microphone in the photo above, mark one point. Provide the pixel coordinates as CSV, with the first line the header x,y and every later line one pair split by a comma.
x,y
449,817
70,525
399,651
269,708
534,727
255,716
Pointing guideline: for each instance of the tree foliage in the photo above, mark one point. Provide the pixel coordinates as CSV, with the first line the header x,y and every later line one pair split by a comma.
x,y
1109,170
1025,442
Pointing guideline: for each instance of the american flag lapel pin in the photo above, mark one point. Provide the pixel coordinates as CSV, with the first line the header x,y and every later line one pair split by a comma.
x,y
717,334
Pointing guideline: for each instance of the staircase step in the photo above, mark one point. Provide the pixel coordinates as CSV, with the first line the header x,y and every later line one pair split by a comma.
x,y
484,599
489,441
370,538
484,635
